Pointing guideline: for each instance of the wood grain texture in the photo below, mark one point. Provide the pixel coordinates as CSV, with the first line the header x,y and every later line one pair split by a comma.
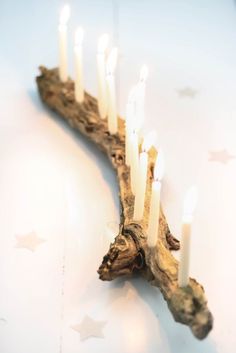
x,y
129,253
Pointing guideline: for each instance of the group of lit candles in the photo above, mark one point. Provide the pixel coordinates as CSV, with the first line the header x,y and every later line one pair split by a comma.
x,y
138,162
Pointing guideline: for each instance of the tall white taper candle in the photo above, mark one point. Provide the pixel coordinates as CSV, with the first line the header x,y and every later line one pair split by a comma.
x,y
189,206
62,31
129,125
141,189
140,99
111,92
154,213
139,203
101,72
134,155
78,50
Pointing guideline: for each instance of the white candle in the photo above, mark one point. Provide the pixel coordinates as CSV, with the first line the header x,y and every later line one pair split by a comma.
x,y
129,124
101,70
141,189
78,50
134,155
62,31
153,223
189,206
142,177
140,98
111,92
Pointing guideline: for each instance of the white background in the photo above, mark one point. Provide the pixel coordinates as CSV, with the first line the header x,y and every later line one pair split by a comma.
x,y
55,183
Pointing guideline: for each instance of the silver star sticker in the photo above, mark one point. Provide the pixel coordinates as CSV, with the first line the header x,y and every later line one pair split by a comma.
x,y
89,328
29,241
187,92
221,156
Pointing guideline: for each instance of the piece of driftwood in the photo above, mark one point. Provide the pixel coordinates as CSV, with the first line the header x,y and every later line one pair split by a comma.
x,y
129,253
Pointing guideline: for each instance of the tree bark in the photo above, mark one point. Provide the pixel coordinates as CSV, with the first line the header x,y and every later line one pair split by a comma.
x,y
129,253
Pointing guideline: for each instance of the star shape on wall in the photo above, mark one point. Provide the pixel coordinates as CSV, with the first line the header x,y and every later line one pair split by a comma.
x,y
3,321
221,156
29,241
187,92
89,328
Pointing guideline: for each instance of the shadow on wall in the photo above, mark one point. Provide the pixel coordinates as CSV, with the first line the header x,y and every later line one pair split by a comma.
x,y
170,336
89,147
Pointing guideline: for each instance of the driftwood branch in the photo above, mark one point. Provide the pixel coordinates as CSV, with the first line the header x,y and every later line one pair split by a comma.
x,y
129,253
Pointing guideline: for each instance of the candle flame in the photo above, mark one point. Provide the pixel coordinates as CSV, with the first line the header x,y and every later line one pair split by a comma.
x,y
65,14
111,61
103,43
149,140
159,166
143,73
190,202
79,35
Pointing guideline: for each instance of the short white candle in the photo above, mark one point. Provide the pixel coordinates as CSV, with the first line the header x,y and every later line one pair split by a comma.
x,y
78,50
139,203
154,213
189,206
101,71
111,92
62,31
129,124
134,161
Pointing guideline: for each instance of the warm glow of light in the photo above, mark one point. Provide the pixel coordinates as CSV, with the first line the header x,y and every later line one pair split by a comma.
x,y
103,43
149,140
159,166
190,202
111,61
143,73
65,14
79,35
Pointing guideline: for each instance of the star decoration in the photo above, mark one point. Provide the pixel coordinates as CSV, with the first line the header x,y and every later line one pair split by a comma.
x,y
187,92
3,321
221,156
29,241
89,328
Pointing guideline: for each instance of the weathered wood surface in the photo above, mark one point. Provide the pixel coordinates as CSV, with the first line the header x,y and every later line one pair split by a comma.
x,y
129,253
